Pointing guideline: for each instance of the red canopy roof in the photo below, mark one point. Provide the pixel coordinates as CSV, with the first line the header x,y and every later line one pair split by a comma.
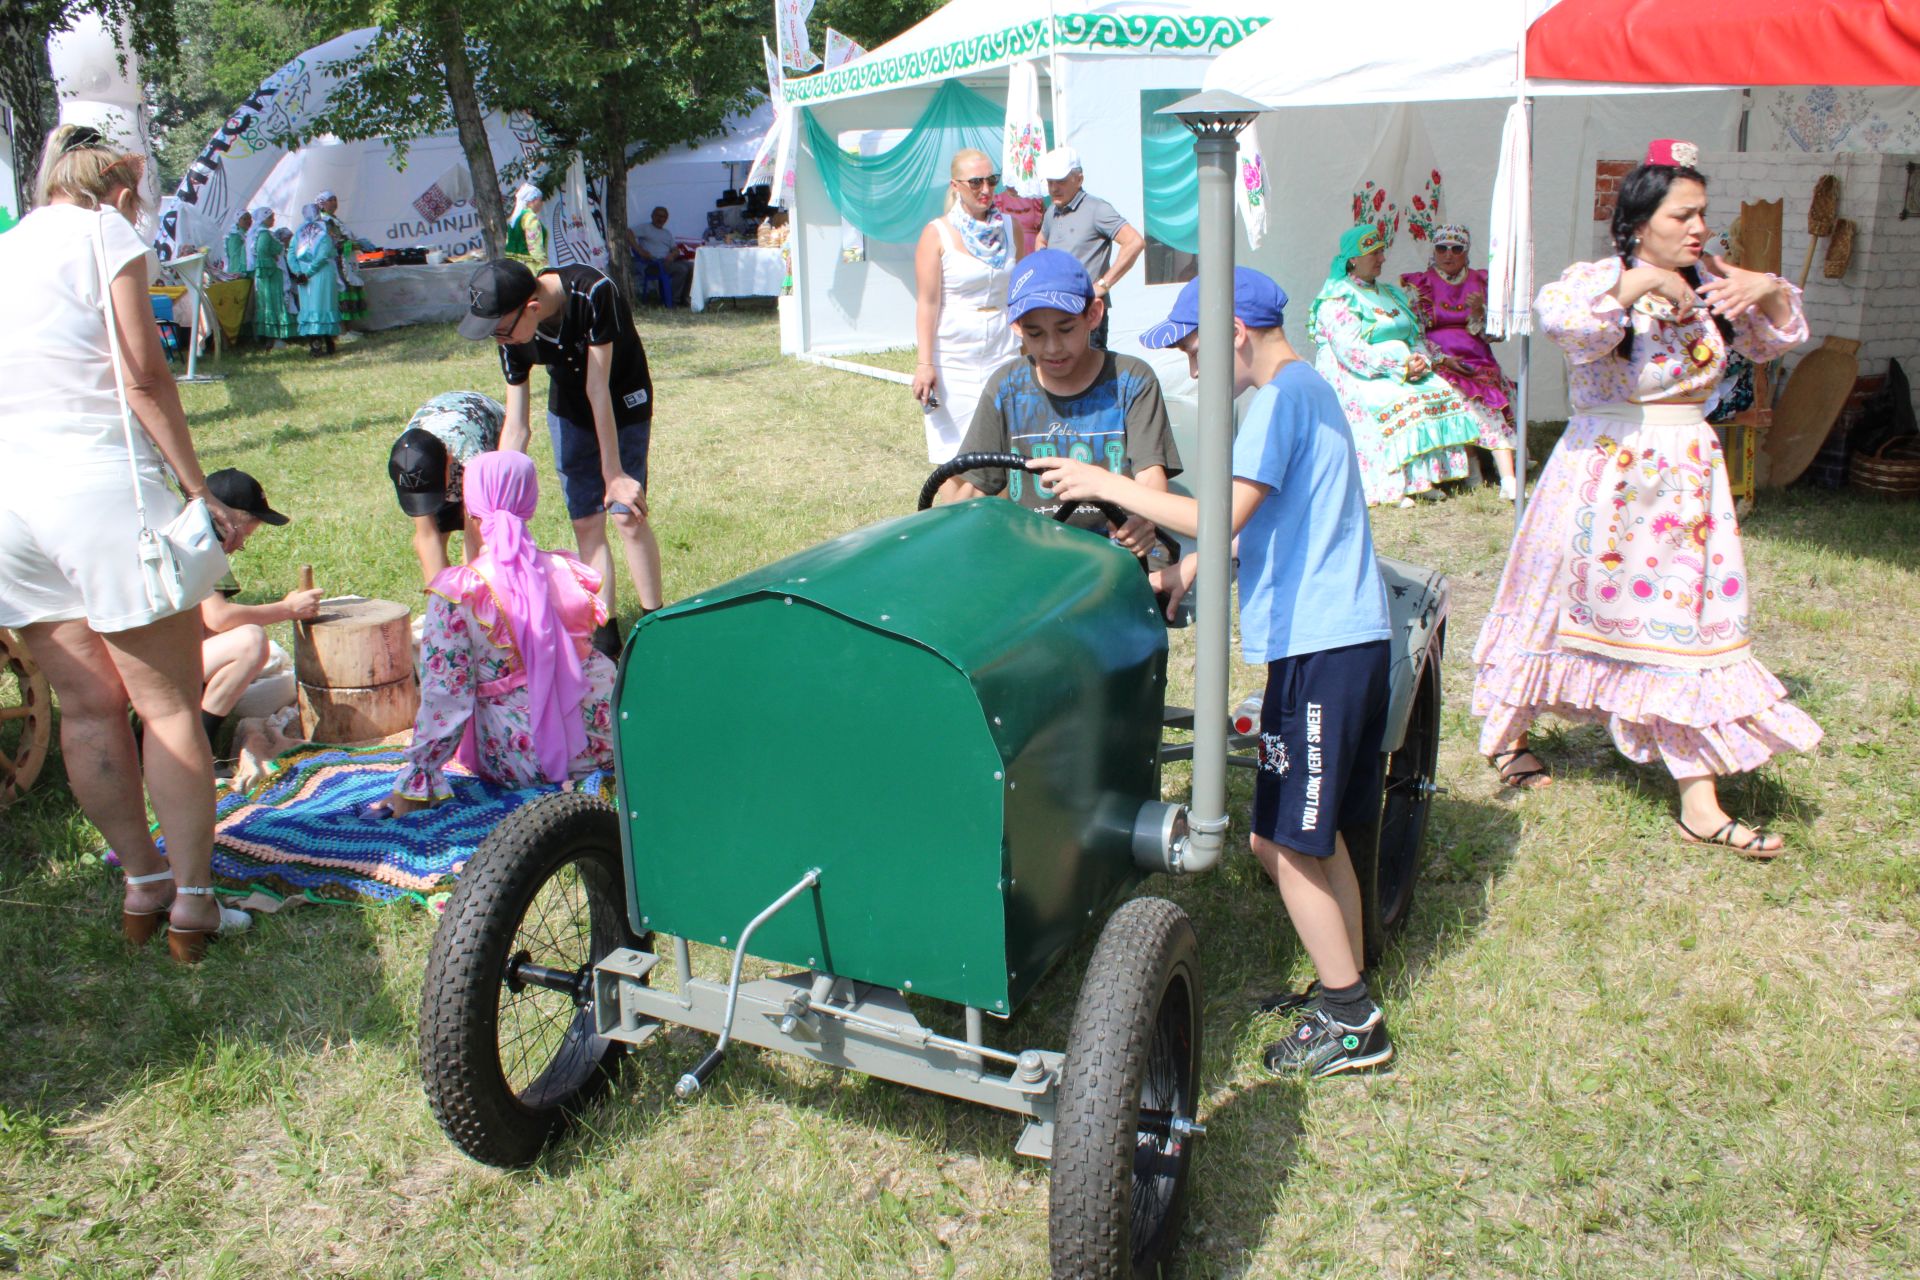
x,y
1739,42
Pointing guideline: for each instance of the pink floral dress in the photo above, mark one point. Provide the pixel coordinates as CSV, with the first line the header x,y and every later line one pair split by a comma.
x,y
471,678
1625,598
1408,436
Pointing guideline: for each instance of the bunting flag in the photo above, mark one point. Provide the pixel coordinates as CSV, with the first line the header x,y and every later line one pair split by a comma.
x,y
795,49
773,162
841,48
1026,136
579,230
1250,192
1510,234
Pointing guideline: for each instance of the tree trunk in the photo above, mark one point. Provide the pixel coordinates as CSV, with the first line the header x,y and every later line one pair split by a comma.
x,y
619,257
450,36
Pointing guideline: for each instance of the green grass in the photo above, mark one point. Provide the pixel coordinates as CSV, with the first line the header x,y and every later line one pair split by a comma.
x,y
1619,1056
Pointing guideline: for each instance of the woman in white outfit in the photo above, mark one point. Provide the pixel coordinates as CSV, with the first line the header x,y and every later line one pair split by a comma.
x,y
961,269
70,575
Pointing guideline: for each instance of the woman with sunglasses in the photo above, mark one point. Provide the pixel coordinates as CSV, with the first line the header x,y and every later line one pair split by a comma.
x,y
71,583
1451,300
961,269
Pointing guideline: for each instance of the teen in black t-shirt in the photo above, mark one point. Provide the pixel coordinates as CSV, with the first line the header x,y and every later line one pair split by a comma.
x,y
574,321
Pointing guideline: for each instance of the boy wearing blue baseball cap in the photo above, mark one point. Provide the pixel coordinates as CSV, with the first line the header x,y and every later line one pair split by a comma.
x,y
1313,610
1067,398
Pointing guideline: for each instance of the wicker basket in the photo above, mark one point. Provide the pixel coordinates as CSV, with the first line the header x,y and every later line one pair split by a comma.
x,y
1894,471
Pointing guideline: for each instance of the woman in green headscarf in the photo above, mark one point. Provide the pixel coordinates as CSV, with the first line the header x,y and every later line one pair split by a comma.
x,y
1411,429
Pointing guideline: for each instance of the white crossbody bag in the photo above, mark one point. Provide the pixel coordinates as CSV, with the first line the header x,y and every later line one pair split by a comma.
x,y
182,560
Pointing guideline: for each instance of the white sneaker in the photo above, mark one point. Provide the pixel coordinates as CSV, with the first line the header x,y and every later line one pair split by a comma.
x,y
1506,488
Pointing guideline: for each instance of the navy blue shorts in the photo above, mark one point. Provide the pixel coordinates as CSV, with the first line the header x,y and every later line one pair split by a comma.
x,y
1322,722
576,454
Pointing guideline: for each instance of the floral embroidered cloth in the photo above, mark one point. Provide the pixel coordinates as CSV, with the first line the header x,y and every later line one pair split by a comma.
x,y
1624,601
1653,565
1408,436
1453,319
473,688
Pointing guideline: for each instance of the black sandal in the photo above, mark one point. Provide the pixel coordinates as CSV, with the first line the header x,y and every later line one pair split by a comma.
x,y
1520,779
1754,846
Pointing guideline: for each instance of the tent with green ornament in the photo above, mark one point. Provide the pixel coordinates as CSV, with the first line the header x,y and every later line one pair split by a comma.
x,y
875,136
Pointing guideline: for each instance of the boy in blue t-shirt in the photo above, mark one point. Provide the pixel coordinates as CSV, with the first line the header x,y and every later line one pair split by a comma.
x,y
1314,610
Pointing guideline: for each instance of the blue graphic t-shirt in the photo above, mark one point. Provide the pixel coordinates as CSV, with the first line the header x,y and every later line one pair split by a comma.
x,y
1308,580
1120,421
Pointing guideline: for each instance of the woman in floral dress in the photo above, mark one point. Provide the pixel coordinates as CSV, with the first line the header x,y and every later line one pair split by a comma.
x,y
1410,429
1625,599
1451,300
510,685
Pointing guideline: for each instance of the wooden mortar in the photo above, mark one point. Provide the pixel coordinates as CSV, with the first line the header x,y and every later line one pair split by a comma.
x,y
354,664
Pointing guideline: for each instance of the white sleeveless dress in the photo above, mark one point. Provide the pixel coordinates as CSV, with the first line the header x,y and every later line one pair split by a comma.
x,y
973,340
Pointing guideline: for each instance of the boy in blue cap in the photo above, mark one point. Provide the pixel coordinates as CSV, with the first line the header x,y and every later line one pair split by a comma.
x,y
1314,610
1067,398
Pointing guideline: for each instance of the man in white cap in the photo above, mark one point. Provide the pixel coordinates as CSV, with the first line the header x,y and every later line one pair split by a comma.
x,y
1088,228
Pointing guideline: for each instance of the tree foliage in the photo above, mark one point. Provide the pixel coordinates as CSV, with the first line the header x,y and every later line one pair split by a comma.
x,y
226,48
871,22
26,84
622,80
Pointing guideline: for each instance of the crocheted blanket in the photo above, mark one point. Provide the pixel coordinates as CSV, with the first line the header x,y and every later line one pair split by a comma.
x,y
304,831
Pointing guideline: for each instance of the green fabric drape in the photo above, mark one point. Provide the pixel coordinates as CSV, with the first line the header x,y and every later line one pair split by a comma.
x,y
1169,175
892,196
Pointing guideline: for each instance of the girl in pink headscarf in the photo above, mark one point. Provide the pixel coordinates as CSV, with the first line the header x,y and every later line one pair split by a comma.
x,y
509,684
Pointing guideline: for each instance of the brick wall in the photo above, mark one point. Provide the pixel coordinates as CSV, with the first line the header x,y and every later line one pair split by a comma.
x,y
1606,187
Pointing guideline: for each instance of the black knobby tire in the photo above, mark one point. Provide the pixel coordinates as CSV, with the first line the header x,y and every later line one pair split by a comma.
x,y
503,1067
1119,1181
1406,800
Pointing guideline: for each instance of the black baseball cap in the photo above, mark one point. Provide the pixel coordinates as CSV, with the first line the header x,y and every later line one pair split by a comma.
x,y
243,493
418,468
497,290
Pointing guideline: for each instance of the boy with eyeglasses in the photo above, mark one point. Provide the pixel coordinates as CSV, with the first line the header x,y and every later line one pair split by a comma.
x,y
574,321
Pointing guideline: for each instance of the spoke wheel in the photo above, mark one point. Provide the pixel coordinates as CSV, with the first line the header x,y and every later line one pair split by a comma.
x,y
26,719
1121,1149
506,1056
1406,800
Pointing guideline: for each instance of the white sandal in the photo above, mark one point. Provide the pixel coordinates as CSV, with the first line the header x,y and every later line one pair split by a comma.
x,y
189,946
140,926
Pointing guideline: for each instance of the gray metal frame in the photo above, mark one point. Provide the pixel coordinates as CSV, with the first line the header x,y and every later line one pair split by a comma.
x,y
837,1023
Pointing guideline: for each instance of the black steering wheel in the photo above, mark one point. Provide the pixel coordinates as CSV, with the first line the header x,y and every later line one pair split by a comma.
x,y
1018,462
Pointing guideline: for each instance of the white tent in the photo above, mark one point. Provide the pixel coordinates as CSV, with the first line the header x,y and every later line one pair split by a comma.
x,y
426,203
687,180
1101,65
1431,89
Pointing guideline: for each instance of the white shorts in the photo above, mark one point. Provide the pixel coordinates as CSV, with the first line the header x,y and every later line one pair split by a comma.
x,y
69,546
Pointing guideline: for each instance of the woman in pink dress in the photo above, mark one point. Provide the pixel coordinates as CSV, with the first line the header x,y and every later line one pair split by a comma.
x,y
510,685
1451,300
1624,601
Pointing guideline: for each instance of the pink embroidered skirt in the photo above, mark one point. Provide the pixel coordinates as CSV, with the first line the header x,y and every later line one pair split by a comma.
x,y
1696,721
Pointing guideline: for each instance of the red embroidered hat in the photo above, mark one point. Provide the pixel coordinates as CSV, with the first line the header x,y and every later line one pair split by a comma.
x,y
1672,153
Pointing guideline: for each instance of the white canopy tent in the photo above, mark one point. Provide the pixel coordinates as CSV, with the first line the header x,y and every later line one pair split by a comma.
x,y
688,179
1437,87
423,199
1095,61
